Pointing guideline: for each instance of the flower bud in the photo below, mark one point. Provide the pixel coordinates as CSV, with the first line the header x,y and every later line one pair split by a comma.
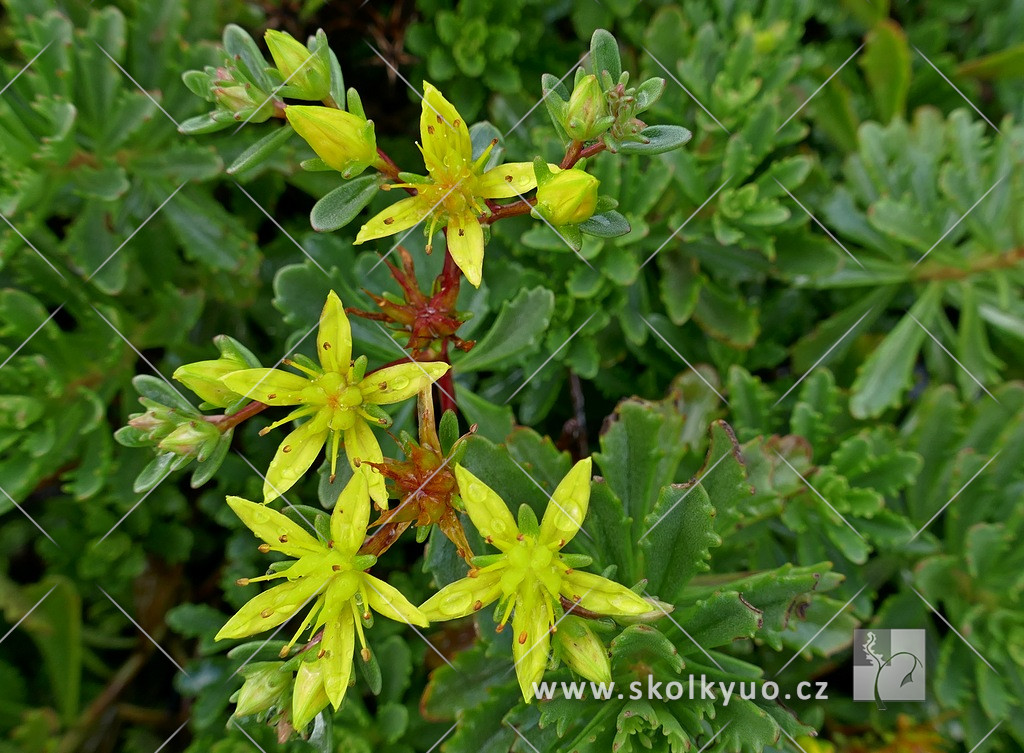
x,y
204,377
156,423
307,74
587,116
344,141
264,686
568,197
309,697
582,651
191,438
245,101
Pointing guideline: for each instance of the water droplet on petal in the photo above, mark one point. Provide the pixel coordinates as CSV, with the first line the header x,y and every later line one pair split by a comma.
x,y
456,603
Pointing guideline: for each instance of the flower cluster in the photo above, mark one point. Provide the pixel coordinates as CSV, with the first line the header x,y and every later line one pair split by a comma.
x,y
337,401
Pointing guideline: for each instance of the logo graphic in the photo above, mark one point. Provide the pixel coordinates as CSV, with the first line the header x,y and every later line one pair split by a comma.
x,y
888,665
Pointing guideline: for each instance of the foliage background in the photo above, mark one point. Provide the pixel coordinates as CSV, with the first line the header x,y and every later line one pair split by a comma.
x,y
126,248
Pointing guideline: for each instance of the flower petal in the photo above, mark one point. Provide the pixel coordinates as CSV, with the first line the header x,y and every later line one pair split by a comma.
x,y
294,456
361,445
396,383
446,143
309,696
400,216
278,603
531,638
601,595
387,600
339,642
568,505
280,531
461,598
350,516
507,181
270,386
334,338
466,245
486,509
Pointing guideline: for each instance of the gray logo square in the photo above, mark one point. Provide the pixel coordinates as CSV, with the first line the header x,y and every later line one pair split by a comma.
x,y
888,665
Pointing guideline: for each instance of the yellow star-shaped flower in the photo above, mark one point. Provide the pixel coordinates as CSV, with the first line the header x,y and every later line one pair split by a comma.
x,y
454,194
531,575
330,575
339,400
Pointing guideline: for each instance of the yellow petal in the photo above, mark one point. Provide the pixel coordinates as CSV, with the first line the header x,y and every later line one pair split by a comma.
x,y
351,515
294,456
601,595
278,603
270,386
309,697
400,382
387,600
446,143
280,531
486,509
400,216
339,642
530,639
464,597
466,245
507,181
334,338
568,505
361,445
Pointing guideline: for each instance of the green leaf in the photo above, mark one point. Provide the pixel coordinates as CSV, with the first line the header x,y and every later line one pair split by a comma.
x,y
886,63
605,225
262,150
679,538
1004,64
887,373
340,206
604,54
516,331
657,139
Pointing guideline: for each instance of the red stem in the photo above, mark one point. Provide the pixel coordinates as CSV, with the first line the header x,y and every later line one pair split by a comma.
x,y
225,422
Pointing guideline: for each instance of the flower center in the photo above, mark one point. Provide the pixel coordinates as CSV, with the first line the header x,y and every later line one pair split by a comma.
x,y
340,398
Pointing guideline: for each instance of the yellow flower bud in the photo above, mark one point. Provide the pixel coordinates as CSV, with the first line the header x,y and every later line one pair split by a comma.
x,y
263,688
191,438
307,74
581,649
344,141
587,116
309,697
203,378
568,197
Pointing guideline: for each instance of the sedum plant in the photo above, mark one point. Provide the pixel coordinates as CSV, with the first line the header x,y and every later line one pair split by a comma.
x,y
787,200
537,585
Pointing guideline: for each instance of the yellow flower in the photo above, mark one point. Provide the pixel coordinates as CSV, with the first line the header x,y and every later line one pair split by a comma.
x,y
453,195
331,576
339,400
531,575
